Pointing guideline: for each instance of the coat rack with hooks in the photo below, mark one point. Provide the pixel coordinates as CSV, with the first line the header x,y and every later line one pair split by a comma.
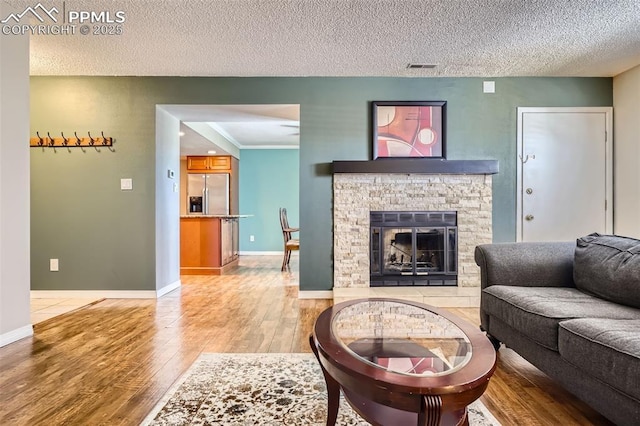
x,y
67,143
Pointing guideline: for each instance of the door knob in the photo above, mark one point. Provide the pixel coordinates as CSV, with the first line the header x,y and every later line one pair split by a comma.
x,y
529,191
529,217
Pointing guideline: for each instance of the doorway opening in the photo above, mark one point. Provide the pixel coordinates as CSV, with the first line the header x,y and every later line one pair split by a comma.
x,y
259,138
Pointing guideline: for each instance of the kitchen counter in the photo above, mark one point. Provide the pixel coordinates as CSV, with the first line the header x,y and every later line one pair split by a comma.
x,y
209,244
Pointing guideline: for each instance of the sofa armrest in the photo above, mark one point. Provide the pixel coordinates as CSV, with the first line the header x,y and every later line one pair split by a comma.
x,y
546,264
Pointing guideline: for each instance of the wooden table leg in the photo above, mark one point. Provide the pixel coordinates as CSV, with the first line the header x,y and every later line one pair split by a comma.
x,y
333,389
465,420
333,399
430,410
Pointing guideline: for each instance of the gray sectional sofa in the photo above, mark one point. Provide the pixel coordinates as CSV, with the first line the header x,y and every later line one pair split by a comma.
x,y
572,310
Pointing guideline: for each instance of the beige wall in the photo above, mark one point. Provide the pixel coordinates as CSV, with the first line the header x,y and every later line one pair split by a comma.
x,y
15,322
626,117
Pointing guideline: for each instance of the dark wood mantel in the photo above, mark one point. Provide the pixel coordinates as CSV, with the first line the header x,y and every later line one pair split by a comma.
x,y
418,166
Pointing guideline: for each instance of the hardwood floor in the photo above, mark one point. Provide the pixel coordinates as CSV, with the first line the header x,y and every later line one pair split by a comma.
x,y
110,362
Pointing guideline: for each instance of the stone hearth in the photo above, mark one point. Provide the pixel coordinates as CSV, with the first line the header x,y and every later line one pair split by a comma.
x,y
356,194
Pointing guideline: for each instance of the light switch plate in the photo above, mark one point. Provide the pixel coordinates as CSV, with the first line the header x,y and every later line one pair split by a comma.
x,y
489,87
54,266
126,184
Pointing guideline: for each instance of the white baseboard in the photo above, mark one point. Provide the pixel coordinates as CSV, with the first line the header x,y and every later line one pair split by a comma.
x,y
15,335
93,294
262,253
168,289
315,294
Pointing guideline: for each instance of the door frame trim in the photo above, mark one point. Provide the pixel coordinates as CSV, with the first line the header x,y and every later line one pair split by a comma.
x,y
608,112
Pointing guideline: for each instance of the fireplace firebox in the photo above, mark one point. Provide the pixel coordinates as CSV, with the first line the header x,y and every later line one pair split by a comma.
x,y
411,248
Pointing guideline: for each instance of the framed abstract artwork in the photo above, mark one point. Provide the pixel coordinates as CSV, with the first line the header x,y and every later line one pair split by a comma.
x,y
409,129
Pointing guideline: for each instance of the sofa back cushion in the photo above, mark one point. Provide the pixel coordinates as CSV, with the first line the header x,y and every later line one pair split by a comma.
x,y
608,266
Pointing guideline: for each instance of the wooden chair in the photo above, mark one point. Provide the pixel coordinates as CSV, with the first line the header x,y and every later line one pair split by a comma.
x,y
290,243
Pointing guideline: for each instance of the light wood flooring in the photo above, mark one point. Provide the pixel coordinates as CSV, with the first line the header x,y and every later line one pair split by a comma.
x,y
110,362
44,308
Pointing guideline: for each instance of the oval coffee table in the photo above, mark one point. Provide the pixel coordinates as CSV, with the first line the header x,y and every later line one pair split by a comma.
x,y
401,363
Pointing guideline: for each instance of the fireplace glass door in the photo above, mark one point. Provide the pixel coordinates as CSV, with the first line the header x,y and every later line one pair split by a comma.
x,y
452,249
430,251
428,244
398,248
414,248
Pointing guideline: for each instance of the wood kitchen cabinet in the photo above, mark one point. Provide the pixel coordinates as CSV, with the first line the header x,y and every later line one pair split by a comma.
x,y
220,163
208,245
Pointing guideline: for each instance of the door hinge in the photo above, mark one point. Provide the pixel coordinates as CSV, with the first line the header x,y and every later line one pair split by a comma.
x,y
605,204
606,136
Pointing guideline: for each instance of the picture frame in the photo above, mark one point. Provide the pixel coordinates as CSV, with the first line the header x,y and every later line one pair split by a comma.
x,y
409,129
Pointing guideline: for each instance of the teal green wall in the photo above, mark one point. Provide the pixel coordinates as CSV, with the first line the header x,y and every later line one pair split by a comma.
x,y
106,238
269,179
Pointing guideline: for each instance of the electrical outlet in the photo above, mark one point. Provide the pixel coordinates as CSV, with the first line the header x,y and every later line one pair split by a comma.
x,y
54,265
252,238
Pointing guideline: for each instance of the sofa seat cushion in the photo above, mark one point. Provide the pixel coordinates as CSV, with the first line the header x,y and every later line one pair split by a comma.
x,y
606,349
537,311
608,266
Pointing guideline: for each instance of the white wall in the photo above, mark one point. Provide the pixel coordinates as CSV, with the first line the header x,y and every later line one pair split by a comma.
x,y
167,202
206,131
15,284
626,118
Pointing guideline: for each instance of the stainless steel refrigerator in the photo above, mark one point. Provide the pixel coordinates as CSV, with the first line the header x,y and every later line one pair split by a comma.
x,y
208,194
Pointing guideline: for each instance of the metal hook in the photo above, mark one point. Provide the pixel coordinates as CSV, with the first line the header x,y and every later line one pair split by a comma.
x,y
51,143
104,142
79,141
93,142
65,142
40,141
527,158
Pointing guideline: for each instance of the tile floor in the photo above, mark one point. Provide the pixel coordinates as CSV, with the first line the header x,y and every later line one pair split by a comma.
x,y
43,309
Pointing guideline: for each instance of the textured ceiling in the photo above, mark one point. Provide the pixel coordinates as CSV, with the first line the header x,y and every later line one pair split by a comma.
x,y
485,38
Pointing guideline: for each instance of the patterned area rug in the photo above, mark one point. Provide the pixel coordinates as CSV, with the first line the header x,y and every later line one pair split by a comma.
x,y
259,389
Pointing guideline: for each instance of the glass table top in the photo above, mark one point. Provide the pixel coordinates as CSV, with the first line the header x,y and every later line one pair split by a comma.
x,y
401,338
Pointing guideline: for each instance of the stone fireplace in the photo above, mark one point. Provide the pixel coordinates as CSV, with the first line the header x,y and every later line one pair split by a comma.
x,y
466,191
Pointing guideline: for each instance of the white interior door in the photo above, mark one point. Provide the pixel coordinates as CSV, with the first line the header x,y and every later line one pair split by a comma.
x,y
564,173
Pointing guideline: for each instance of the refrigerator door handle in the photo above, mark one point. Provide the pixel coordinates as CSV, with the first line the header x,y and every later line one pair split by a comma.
x,y
205,200
227,190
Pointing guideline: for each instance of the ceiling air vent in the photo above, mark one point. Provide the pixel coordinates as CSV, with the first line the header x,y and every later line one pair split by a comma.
x,y
421,66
